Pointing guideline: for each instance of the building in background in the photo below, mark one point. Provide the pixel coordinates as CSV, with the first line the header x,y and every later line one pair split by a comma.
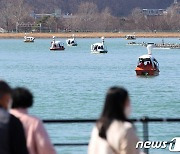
x,y
175,1
56,14
154,12
2,30
160,12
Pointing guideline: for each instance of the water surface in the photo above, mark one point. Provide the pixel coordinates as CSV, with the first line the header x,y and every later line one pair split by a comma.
x,y
72,84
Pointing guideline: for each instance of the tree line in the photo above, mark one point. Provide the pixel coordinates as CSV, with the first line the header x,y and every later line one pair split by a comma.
x,y
118,7
88,18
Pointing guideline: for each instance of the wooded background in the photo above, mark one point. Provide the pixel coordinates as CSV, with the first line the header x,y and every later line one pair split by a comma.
x,y
91,15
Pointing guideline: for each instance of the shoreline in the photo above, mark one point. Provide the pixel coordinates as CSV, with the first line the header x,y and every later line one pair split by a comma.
x,y
93,35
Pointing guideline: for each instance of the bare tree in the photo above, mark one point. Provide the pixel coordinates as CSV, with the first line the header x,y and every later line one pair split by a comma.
x,y
87,16
6,15
87,8
20,10
173,16
107,21
12,12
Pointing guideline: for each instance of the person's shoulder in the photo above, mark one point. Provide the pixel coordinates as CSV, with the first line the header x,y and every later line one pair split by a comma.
x,y
15,123
118,130
95,130
34,119
119,124
128,125
14,120
121,127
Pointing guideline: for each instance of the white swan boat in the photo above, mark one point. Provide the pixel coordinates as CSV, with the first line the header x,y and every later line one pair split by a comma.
x,y
99,47
72,41
130,37
57,45
28,39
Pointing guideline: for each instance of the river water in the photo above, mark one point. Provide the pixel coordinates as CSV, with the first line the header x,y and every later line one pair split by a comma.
x,y
72,84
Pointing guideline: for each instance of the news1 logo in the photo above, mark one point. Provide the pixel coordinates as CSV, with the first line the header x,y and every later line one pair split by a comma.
x,y
174,145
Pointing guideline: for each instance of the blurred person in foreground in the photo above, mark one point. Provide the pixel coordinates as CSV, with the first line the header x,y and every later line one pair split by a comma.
x,y
37,138
12,137
113,133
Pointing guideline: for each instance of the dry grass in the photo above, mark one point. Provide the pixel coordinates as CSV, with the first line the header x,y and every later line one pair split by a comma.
x,y
92,35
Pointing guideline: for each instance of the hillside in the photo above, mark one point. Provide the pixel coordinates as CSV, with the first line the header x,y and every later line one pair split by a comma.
x,y
117,7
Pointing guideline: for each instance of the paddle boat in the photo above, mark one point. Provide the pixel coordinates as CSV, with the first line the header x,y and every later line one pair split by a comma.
x,y
56,45
162,45
28,39
130,37
99,47
147,64
72,41
134,43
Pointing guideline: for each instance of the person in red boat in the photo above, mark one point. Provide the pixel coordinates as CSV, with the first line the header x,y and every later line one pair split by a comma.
x,y
149,65
141,64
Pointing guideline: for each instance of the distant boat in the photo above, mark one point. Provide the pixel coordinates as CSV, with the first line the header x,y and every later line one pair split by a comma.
x,y
28,39
130,37
99,47
57,45
163,45
134,43
147,64
72,41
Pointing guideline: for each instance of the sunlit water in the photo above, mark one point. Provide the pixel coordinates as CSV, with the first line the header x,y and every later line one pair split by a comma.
x,y
72,84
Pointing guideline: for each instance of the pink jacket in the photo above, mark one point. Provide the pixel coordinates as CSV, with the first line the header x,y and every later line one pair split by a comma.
x,y
38,141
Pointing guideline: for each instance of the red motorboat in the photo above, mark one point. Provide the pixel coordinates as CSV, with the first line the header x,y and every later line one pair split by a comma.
x,y
147,64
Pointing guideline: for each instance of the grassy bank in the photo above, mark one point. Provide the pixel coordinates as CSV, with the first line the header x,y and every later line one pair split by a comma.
x,y
93,35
